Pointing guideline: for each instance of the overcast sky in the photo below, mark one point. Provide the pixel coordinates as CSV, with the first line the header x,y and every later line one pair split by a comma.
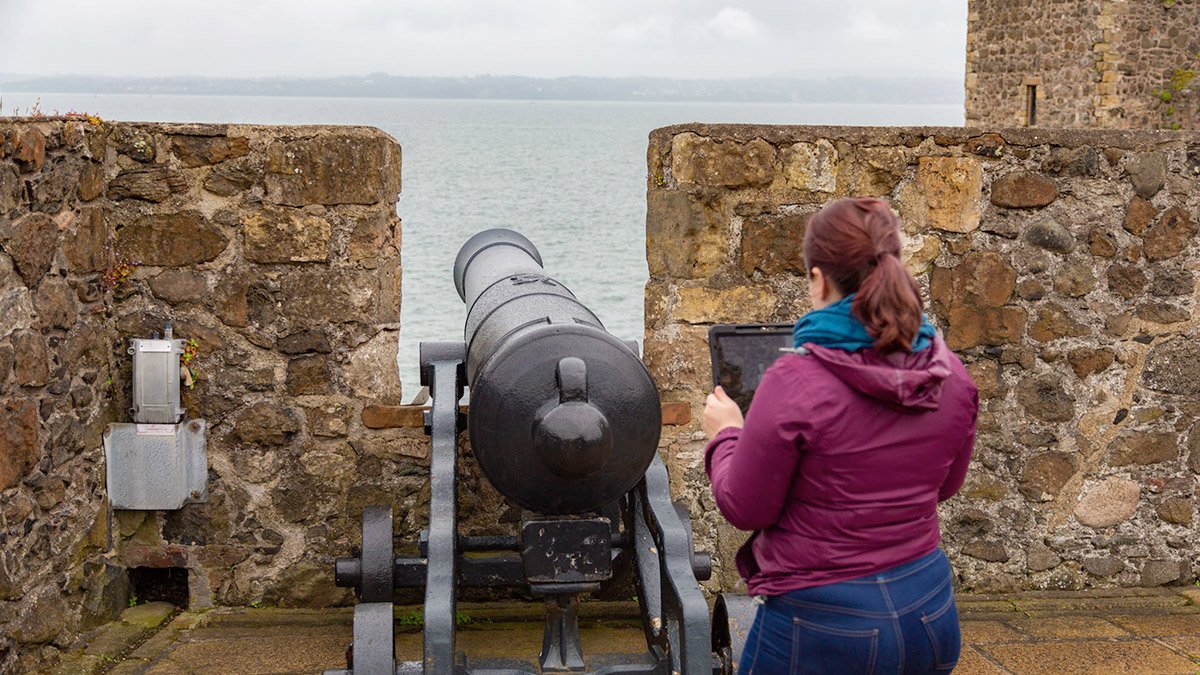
x,y
545,38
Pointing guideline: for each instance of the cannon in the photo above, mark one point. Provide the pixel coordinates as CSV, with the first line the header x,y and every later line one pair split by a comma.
x,y
564,421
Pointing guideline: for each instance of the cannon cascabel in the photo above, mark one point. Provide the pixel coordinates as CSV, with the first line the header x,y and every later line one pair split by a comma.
x,y
564,416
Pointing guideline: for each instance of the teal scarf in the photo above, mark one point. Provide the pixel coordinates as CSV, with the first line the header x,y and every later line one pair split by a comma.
x,y
835,327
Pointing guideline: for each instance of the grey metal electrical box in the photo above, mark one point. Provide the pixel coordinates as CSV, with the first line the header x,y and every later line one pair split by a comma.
x,y
156,380
158,462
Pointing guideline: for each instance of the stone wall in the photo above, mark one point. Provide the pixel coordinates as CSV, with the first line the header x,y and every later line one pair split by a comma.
x,y
1099,63
1061,267
277,250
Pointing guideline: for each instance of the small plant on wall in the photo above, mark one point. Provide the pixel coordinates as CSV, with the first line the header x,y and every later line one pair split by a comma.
x,y
1178,99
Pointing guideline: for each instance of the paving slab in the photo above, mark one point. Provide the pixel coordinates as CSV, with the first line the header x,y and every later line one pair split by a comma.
x,y
150,615
1160,624
985,632
1067,627
1091,657
971,662
1189,645
114,639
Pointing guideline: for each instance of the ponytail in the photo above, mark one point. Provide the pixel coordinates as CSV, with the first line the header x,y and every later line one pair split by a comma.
x,y
856,242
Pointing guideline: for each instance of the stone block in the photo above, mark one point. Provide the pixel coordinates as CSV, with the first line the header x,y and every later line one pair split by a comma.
x,y
988,551
774,243
1126,280
304,342
687,236
969,326
370,370
86,250
1053,322
315,296
19,440
739,304
28,149
309,375
1171,282
33,246
1161,313
1045,474
55,302
1074,280
1139,215
947,194
333,168
983,278
174,239
1023,190
1046,399
195,151
1160,572
176,286
266,424
1173,367
151,184
1144,447
393,416
230,178
811,167
1167,237
1102,243
728,164
32,359
1088,361
148,616
91,181
279,236
1107,503
1103,566
1176,510
676,413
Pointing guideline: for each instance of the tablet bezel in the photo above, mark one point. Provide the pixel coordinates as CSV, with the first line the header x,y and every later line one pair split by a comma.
x,y
722,330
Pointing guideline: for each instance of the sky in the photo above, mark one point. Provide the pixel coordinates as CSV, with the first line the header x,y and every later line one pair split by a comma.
x,y
540,38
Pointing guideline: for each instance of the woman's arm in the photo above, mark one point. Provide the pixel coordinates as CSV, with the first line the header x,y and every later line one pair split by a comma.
x,y
751,468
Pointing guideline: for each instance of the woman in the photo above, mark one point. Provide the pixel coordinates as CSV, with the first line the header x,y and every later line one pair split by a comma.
x,y
844,454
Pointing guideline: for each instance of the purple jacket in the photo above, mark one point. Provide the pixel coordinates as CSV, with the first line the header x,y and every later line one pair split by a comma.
x,y
842,462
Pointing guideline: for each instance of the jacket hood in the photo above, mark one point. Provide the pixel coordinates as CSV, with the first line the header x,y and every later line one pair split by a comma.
x,y
904,380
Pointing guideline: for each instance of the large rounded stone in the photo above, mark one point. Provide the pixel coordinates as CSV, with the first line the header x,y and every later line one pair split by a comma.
x,y
1148,173
1023,190
1050,235
1108,503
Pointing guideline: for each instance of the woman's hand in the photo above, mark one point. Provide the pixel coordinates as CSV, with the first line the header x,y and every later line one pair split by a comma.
x,y
720,412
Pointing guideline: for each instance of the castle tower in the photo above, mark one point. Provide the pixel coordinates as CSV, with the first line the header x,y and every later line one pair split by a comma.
x,y
1115,64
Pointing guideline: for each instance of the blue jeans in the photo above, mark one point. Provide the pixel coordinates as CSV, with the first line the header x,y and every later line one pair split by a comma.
x,y
901,620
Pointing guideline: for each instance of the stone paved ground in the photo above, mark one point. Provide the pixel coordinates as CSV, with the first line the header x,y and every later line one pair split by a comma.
x,y
1117,631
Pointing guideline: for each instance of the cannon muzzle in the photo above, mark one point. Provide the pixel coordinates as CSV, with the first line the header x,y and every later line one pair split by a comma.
x,y
564,416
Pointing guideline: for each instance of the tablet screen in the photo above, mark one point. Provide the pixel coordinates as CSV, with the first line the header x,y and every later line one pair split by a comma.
x,y
742,353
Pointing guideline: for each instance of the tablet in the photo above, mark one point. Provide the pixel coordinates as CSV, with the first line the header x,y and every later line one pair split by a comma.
x,y
741,354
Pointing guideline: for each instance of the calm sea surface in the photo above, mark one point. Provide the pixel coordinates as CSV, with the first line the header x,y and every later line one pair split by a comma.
x,y
568,175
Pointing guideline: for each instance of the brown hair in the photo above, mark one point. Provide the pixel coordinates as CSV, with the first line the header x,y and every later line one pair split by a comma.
x,y
856,243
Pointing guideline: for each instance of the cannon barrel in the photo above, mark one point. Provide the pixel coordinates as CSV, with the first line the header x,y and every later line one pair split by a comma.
x,y
564,416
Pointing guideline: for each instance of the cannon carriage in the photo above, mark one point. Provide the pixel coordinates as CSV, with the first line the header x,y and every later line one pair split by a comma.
x,y
564,421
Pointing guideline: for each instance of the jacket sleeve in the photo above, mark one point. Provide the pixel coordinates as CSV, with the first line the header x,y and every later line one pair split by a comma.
x,y
958,468
751,468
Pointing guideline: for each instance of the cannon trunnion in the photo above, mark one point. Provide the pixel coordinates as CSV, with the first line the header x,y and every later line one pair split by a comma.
x,y
565,421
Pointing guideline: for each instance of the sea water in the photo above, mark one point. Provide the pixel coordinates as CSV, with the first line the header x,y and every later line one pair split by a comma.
x,y
570,175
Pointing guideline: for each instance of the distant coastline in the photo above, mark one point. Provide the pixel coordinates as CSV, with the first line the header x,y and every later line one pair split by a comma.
x,y
845,89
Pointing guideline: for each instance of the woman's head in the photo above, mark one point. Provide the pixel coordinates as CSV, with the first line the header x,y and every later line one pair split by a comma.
x,y
854,244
